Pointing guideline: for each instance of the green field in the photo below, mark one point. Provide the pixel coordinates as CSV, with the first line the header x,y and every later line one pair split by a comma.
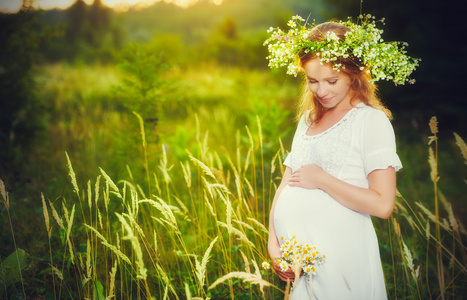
x,y
169,217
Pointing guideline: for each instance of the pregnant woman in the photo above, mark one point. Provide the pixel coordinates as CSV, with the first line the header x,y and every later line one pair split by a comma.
x,y
342,166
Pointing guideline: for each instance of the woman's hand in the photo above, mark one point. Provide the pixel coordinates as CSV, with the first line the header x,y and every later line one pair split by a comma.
x,y
308,177
274,252
288,275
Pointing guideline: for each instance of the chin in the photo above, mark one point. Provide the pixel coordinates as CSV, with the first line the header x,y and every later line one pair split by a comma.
x,y
328,105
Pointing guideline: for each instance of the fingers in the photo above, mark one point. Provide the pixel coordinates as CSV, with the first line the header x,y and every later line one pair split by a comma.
x,y
288,275
294,179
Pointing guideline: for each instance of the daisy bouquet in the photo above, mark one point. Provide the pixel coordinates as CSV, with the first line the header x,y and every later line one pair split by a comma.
x,y
300,258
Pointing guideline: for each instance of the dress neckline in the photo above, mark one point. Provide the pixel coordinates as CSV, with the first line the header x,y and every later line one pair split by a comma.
x,y
337,124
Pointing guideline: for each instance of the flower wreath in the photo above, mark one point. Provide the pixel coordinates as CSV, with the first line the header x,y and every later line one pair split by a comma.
x,y
384,60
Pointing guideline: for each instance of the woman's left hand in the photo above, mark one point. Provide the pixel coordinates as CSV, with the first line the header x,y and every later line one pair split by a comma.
x,y
308,177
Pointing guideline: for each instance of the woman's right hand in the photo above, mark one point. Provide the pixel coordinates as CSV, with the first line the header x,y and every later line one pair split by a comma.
x,y
275,252
288,275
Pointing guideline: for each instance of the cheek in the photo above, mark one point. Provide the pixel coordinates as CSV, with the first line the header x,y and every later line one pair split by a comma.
x,y
312,88
343,89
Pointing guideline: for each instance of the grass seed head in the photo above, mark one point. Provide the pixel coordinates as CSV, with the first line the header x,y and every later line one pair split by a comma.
x,y
4,194
46,217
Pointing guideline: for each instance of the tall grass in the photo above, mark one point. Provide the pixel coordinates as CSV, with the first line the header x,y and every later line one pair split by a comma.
x,y
195,227
200,234
186,218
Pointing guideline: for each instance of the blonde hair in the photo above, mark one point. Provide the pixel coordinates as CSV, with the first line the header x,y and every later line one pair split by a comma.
x,y
360,85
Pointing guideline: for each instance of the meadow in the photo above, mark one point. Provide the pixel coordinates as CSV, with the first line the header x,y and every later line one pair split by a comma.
x,y
169,198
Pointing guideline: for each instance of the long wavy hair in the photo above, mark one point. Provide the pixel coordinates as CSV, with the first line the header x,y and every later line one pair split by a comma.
x,y
360,85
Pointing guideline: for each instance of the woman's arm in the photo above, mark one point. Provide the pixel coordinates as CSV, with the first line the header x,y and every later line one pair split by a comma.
x,y
377,200
273,242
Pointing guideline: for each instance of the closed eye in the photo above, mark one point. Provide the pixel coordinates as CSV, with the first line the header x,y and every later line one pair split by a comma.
x,y
332,82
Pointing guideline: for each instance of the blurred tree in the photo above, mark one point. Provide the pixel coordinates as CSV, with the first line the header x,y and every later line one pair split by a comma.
x,y
77,21
99,16
226,46
21,113
142,88
99,20
171,46
228,29
90,33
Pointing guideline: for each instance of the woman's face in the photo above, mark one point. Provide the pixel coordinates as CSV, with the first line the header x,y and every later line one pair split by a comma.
x,y
331,88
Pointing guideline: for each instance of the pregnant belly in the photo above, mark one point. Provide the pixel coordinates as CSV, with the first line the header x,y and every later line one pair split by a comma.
x,y
314,217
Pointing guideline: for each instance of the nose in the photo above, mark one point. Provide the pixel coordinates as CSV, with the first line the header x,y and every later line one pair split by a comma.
x,y
321,91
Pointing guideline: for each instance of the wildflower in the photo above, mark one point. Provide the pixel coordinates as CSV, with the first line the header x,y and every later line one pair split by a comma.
x,y
266,265
385,61
304,257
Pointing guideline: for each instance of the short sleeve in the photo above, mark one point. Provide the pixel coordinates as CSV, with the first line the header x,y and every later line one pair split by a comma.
x,y
378,143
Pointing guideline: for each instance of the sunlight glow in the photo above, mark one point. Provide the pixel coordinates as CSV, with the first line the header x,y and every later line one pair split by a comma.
x,y
124,5
13,6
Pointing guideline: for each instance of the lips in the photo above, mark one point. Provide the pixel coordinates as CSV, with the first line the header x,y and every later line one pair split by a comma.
x,y
326,100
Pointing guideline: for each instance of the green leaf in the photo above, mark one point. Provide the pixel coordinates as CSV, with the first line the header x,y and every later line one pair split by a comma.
x,y
98,290
85,280
62,236
46,271
10,269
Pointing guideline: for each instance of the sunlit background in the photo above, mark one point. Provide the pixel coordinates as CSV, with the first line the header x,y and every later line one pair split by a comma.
x,y
119,5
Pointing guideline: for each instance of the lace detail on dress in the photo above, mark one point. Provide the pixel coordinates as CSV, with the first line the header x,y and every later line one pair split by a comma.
x,y
328,149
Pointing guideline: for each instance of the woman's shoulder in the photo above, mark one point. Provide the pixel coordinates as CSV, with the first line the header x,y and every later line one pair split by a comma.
x,y
369,118
367,112
373,122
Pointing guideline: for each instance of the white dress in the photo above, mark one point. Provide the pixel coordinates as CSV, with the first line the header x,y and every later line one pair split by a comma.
x,y
362,141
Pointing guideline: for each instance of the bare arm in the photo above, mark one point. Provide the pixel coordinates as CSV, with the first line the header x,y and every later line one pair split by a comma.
x,y
273,242
377,200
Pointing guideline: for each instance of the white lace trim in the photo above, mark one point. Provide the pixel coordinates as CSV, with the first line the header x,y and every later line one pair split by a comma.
x,y
328,149
333,127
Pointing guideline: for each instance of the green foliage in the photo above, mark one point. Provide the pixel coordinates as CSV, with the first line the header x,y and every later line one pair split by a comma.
x,y
10,269
227,45
21,112
142,88
98,290
85,33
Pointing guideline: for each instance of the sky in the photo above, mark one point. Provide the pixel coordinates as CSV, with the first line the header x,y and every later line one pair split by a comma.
x,y
13,6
